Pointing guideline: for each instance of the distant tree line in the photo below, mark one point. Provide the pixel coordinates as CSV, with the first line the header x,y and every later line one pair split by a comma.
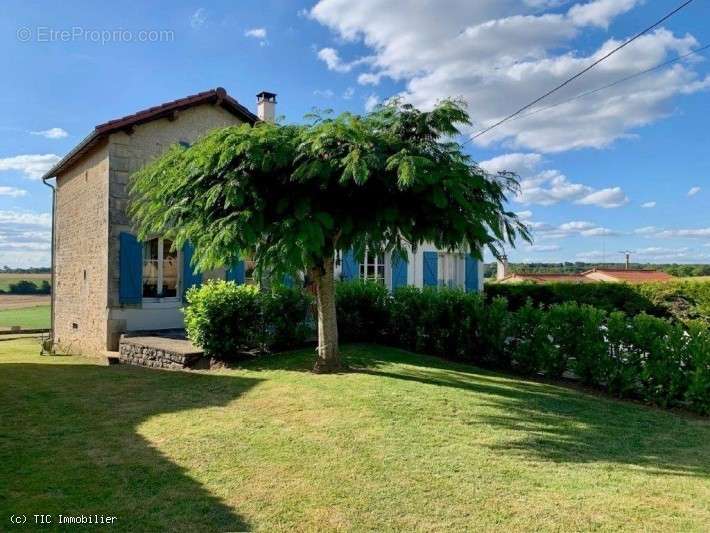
x,y
39,270
579,266
28,287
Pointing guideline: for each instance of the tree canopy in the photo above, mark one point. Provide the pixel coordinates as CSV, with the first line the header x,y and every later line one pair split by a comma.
x,y
289,195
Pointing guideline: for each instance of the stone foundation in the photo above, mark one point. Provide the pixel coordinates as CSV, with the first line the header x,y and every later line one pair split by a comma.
x,y
159,352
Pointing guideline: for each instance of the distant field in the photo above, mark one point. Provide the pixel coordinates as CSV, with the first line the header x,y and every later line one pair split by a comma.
x,y
28,317
7,279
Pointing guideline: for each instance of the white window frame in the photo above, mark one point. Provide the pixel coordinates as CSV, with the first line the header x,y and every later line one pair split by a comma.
x,y
164,301
377,264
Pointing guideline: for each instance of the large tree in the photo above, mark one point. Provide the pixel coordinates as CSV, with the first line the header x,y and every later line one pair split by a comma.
x,y
293,196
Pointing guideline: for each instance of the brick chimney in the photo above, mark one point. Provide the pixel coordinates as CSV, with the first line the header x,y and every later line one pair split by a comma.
x,y
266,106
502,268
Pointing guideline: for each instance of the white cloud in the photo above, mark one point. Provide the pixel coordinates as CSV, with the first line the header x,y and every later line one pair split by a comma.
x,y
574,228
550,187
33,166
51,133
648,205
257,33
326,93
198,18
659,233
25,238
651,254
333,61
12,192
501,55
371,102
693,191
543,248
606,198
348,94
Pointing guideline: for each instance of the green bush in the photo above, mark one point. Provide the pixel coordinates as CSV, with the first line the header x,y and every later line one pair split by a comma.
x,y
698,393
226,319
621,365
530,343
223,318
362,309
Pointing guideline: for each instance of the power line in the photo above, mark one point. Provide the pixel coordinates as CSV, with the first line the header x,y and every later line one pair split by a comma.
x,y
615,83
581,72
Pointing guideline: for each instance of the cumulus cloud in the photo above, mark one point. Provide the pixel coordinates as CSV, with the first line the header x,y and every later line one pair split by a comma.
x,y
573,228
333,61
33,166
648,205
693,191
348,93
550,187
12,192
652,254
501,55
543,248
51,133
257,33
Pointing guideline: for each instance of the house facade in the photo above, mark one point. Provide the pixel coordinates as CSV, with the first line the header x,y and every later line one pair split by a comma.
x,y
106,282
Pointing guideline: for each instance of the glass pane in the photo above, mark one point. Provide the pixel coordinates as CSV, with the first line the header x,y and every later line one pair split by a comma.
x,y
150,268
170,270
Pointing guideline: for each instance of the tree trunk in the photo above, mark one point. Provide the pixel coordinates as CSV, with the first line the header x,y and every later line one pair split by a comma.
x,y
328,356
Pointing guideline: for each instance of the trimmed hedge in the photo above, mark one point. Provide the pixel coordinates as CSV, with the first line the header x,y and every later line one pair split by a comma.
x,y
681,300
226,320
653,359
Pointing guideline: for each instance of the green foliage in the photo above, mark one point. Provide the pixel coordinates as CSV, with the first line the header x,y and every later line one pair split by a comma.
x,y
28,287
361,310
530,343
226,319
291,195
661,362
223,318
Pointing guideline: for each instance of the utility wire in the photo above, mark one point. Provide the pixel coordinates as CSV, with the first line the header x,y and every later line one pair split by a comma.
x,y
581,72
615,83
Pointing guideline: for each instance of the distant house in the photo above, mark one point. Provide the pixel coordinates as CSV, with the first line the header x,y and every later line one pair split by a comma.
x,y
545,278
626,275
592,276
106,282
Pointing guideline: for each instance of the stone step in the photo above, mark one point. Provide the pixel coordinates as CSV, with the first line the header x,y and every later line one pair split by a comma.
x,y
158,352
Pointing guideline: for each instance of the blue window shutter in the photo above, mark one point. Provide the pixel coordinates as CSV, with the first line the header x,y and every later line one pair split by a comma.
x,y
431,267
236,273
399,272
287,281
189,277
471,272
349,267
130,282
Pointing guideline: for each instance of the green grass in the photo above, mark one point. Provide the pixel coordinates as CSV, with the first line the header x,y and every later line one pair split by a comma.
x,y
406,442
28,317
6,279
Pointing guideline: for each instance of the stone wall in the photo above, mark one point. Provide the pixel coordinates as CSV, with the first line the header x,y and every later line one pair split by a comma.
x,y
81,247
158,353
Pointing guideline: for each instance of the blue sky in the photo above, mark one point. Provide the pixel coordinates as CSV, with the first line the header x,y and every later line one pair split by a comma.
x,y
587,166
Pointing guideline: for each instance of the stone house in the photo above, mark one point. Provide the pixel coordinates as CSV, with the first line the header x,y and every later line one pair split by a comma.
x,y
105,282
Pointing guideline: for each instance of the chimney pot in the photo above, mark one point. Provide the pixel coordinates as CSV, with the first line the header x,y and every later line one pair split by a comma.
x,y
266,106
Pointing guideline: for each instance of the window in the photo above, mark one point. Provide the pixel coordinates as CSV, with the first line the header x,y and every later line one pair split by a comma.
x,y
373,267
451,270
160,269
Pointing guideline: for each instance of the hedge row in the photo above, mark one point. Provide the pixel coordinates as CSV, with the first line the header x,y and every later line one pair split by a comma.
x,y
681,300
646,357
28,287
227,319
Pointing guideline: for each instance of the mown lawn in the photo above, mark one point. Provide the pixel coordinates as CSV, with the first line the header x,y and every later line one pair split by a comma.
x,y
28,317
406,442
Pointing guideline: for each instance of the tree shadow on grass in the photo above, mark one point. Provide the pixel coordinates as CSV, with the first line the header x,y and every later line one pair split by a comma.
x,y
69,444
556,423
